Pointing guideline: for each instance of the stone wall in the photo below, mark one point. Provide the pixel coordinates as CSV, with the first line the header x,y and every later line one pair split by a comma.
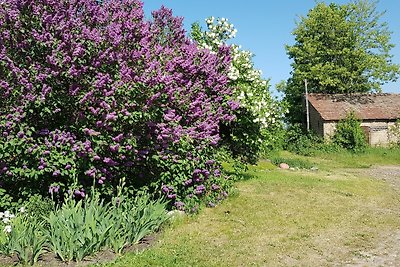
x,y
377,132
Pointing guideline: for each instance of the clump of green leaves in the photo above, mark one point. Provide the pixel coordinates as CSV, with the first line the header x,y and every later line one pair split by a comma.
x,y
22,235
6,200
301,142
133,219
349,134
79,229
82,228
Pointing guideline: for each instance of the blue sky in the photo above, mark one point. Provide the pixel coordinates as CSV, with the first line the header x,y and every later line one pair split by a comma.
x,y
264,27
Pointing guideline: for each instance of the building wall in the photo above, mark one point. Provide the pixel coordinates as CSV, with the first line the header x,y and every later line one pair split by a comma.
x,y
377,132
316,122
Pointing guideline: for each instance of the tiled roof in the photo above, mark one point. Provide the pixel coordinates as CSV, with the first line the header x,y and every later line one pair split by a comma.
x,y
366,106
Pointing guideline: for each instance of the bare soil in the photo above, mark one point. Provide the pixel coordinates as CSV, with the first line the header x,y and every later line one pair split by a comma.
x,y
386,251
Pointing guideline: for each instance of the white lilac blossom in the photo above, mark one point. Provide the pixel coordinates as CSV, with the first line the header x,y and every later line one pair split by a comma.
x,y
255,96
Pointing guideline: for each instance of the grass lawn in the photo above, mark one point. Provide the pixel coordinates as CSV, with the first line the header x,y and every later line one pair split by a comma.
x,y
333,216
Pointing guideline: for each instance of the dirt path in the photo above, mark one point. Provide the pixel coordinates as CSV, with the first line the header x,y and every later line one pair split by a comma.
x,y
386,251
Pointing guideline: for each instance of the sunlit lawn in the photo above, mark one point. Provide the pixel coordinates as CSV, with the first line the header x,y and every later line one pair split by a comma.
x,y
286,218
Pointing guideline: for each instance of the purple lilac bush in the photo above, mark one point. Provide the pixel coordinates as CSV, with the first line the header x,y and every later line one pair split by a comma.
x,y
93,92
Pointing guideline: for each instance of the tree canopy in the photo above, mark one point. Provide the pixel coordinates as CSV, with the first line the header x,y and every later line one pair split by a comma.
x,y
339,49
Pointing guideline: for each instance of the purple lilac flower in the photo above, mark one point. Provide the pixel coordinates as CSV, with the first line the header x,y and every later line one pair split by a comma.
x,y
165,189
200,189
54,189
210,162
20,134
171,196
90,132
109,162
114,148
215,187
118,138
111,116
188,182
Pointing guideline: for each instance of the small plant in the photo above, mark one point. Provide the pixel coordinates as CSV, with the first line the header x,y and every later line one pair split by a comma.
x,y
133,218
79,229
349,134
23,235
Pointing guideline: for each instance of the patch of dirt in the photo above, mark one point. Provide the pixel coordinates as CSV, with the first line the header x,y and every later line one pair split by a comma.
x,y
386,251
389,174
49,259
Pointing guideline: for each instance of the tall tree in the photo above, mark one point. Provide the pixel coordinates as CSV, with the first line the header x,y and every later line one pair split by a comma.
x,y
339,49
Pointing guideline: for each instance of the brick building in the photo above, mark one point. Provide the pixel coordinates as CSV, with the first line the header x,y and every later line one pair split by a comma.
x,y
377,112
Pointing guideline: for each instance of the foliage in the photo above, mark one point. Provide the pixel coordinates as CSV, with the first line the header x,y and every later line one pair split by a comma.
x,y
394,132
349,134
260,114
339,49
191,176
301,142
6,201
91,91
38,206
78,229
23,235
81,228
133,218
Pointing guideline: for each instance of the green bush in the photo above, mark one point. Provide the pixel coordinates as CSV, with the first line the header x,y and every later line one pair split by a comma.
x,y
349,134
301,142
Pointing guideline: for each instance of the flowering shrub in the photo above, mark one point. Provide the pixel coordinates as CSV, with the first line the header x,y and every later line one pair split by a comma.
x,y
260,115
190,175
91,92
